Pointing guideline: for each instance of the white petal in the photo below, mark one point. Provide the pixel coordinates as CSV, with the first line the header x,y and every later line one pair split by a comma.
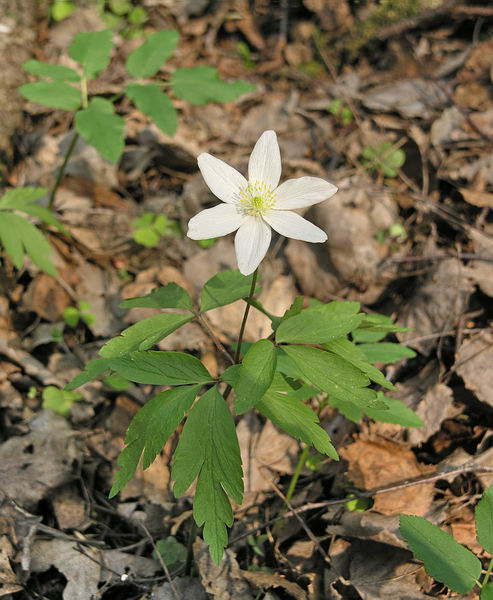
x,y
251,244
214,222
292,225
265,161
223,181
301,192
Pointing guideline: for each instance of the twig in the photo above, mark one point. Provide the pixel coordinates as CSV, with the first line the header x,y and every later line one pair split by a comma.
x,y
203,322
174,590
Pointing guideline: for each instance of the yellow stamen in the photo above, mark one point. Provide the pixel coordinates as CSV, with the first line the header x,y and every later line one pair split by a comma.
x,y
256,198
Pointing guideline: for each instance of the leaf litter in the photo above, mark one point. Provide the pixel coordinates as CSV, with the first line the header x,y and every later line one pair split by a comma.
x,y
416,245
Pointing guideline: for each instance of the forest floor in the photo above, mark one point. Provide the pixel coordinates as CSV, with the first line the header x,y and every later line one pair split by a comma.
x,y
397,111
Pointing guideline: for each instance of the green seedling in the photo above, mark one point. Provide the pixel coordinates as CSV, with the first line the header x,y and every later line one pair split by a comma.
x,y
384,158
59,401
72,315
150,228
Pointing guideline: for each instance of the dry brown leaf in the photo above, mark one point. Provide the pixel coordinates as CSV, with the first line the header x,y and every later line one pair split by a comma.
x,y
263,580
379,462
474,362
8,579
46,297
481,199
69,507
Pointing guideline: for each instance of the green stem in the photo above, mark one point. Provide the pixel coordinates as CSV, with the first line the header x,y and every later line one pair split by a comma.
x,y
297,472
228,389
487,574
61,172
245,315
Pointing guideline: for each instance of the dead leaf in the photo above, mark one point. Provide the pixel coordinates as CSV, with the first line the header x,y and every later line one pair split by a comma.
x,y
69,507
81,572
473,363
187,587
131,564
263,580
437,305
481,199
33,465
8,579
379,462
46,297
224,581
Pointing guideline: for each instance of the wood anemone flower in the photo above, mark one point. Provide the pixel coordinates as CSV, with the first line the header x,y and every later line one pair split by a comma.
x,y
252,207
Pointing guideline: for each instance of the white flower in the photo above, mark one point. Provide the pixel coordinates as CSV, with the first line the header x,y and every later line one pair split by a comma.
x,y
252,207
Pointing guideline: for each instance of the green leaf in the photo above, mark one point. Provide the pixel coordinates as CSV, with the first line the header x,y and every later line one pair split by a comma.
x,y
18,236
332,374
101,128
381,157
201,85
320,324
144,334
150,429
55,72
92,50
93,369
224,288
169,296
297,419
171,551
386,352
395,412
208,449
54,94
161,368
148,58
352,353
59,401
487,592
484,520
19,197
155,104
444,558
255,375
61,9
71,316
146,237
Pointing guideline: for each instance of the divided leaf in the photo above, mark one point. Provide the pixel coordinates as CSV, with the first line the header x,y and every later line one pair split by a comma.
x,y
333,375
101,128
55,72
201,85
290,414
208,448
487,592
444,558
320,324
144,334
161,368
386,352
155,104
170,295
255,375
352,353
91,49
484,520
54,94
224,288
148,58
395,411
19,236
94,368
19,197
150,429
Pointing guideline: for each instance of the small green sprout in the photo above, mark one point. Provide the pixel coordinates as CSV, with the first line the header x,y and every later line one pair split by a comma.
x,y
384,158
59,401
150,228
339,109
72,315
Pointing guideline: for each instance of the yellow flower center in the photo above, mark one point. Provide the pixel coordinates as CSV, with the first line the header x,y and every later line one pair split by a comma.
x,y
256,198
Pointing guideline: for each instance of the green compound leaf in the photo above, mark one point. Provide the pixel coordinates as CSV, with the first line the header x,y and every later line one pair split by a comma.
x,y
59,401
201,85
150,429
382,157
170,295
161,368
352,353
101,128
386,352
144,334
290,414
224,288
208,448
148,58
155,104
255,375
91,49
55,72
54,94
22,199
333,375
92,370
395,412
444,558
19,236
375,327
320,324
487,592
484,520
